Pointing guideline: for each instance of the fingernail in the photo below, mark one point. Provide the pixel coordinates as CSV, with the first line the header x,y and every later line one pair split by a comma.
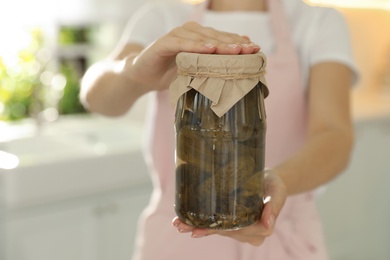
x,y
176,223
210,45
251,44
233,46
195,235
180,230
271,221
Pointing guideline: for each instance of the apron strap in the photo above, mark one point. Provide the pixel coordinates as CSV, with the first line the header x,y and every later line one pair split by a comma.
x,y
280,27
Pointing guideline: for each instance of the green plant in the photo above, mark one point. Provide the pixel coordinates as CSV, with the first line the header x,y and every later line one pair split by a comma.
x,y
69,35
19,77
70,103
25,89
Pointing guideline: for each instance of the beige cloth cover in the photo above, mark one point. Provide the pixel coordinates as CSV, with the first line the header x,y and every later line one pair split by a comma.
x,y
224,79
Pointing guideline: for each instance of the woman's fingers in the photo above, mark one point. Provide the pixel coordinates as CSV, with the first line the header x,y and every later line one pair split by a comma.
x,y
276,194
213,34
171,45
258,232
181,226
192,37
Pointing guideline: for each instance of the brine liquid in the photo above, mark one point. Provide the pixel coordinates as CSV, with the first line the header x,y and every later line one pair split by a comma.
x,y
219,164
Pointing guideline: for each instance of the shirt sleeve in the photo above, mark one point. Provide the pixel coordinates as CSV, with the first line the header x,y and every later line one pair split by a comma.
x,y
146,25
331,41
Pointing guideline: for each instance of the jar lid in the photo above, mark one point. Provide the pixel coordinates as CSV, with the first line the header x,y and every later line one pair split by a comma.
x,y
224,79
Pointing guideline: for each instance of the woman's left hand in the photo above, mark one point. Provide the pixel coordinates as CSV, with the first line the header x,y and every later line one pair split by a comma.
x,y
255,234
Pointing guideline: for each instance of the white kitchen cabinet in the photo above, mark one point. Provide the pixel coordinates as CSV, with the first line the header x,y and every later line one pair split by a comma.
x,y
98,227
118,225
355,207
77,192
53,234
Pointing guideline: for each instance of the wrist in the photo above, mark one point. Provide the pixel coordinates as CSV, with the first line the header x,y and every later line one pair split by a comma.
x,y
126,69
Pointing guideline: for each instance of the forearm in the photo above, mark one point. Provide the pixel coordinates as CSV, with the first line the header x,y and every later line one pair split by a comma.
x,y
323,157
107,88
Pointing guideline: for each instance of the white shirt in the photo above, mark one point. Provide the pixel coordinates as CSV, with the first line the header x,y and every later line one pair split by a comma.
x,y
320,34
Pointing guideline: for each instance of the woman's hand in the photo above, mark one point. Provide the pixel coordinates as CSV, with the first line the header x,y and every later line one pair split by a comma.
x,y
254,234
155,66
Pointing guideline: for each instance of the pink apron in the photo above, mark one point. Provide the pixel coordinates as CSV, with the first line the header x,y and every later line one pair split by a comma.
x,y
298,233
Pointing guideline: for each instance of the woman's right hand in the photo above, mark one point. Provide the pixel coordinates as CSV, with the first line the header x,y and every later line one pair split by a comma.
x,y
155,66
111,87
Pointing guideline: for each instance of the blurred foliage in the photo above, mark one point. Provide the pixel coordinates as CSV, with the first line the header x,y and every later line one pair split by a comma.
x,y
24,83
19,77
69,35
70,103
73,68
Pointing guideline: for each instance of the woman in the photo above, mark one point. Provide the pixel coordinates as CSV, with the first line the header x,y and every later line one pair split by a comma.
x,y
309,137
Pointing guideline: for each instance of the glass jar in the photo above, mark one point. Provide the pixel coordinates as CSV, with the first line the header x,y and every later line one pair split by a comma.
x,y
220,160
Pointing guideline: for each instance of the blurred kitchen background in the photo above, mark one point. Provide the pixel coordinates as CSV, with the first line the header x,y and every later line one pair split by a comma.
x,y
73,184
